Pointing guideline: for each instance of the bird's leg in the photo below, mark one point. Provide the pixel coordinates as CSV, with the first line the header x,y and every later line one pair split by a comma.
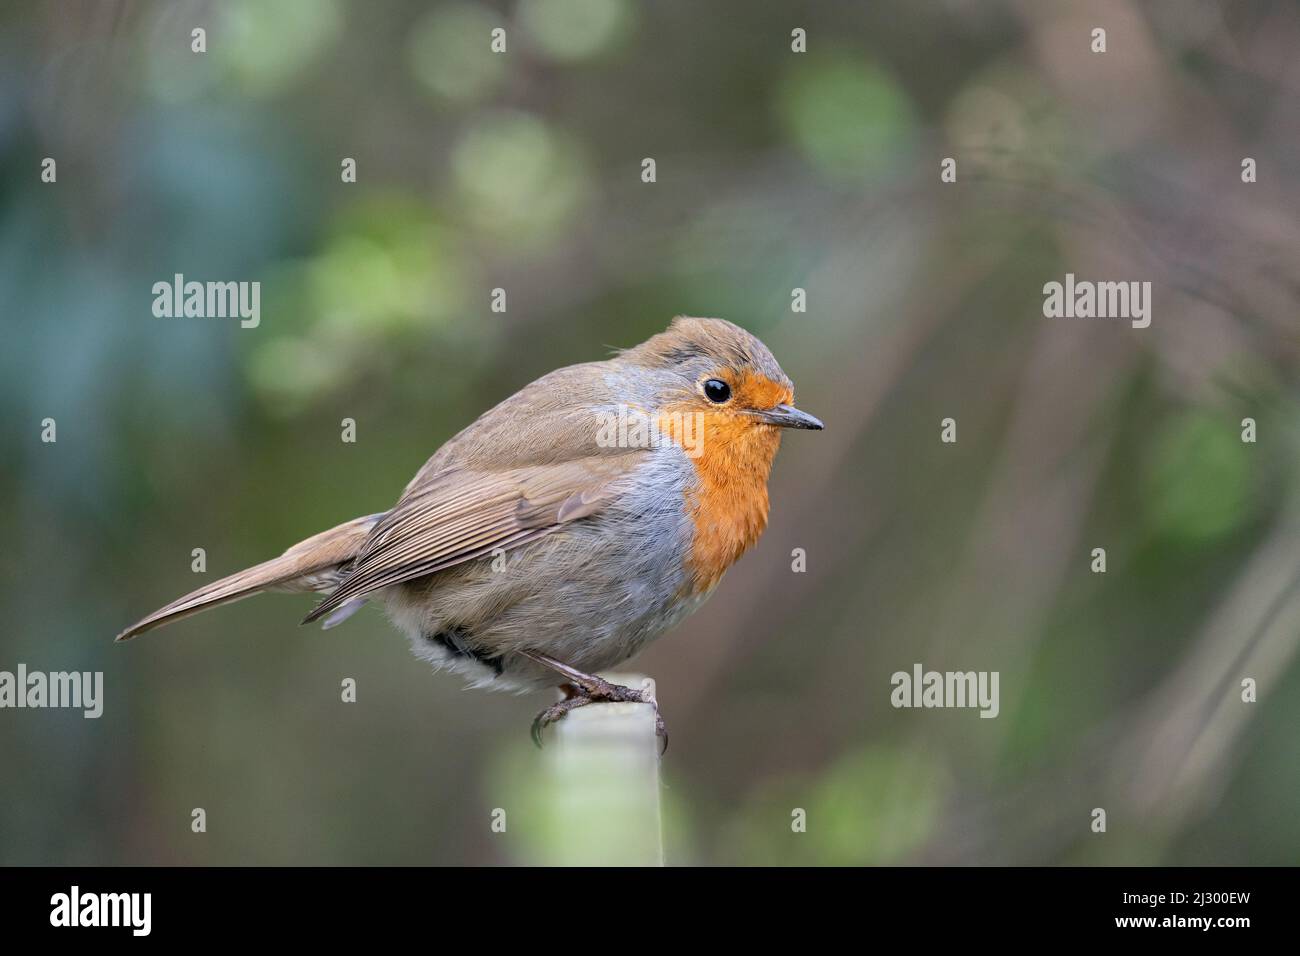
x,y
581,689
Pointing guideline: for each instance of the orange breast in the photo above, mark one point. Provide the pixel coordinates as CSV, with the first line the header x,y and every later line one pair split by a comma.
x,y
728,506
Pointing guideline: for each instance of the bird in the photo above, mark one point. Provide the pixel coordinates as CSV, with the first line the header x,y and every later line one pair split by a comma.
x,y
565,528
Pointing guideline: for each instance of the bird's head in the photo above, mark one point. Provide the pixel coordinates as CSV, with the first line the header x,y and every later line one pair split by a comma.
x,y
715,373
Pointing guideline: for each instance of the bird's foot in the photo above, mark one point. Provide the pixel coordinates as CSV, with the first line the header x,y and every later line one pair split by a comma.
x,y
590,689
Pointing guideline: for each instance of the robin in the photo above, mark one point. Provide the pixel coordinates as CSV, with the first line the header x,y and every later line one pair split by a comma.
x,y
567,527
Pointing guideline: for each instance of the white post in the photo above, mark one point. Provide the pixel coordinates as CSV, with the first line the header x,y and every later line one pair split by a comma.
x,y
603,767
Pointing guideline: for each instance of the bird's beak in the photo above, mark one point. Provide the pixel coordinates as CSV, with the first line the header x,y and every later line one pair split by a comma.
x,y
787,416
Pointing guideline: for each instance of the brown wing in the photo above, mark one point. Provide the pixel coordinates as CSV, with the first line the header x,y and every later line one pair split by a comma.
x,y
461,514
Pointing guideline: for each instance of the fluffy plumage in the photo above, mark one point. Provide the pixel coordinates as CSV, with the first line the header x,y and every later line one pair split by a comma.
x,y
525,532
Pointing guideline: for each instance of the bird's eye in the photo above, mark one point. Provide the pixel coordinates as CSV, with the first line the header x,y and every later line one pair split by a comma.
x,y
717,391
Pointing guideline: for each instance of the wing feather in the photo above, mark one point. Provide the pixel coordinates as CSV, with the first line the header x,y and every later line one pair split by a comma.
x,y
458,515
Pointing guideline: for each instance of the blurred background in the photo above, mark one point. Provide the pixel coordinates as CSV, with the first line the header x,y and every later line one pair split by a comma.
x,y
775,170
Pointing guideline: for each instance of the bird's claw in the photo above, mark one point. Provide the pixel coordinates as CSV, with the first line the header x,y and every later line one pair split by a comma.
x,y
594,691
553,713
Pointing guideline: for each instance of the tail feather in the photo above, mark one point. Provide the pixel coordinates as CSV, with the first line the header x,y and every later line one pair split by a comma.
x,y
307,566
